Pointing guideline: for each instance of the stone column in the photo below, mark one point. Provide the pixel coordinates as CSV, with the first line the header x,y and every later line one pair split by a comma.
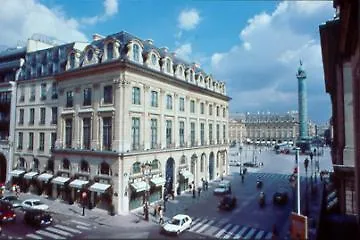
x,y
125,124
187,134
146,122
162,120
197,126
176,122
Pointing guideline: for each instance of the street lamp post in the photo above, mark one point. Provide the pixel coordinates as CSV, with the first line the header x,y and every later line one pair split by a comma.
x,y
311,174
298,180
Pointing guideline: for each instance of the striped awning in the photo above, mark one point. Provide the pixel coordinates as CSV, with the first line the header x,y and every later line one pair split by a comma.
x,y
158,181
44,177
60,180
30,175
187,174
77,183
16,172
99,187
140,186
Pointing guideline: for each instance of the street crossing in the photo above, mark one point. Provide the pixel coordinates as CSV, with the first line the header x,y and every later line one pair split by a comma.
x,y
61,231
227,230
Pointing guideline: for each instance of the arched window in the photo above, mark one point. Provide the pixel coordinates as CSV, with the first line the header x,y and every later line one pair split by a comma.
x,y
104,168
84,166
110,50
183,160
136,168
36,164
180,71
191,76
155,164
66,164
168,65
136,52
72,60
153,59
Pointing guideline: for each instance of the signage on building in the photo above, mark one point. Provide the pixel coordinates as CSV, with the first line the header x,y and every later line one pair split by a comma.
x,y
299,226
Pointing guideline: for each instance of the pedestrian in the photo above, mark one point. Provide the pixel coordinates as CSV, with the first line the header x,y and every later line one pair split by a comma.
x,y
155,210
206,185
275,232
199,190
161,215
242,178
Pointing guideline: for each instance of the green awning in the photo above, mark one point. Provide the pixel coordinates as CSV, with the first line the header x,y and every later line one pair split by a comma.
x,y
140,186
158,181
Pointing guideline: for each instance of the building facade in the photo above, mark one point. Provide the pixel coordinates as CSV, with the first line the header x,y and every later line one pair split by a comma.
x,y
133,122
237,130
341,60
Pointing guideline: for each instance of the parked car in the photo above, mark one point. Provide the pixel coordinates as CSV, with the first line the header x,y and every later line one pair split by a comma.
x,y
34,204
280,197
224,187
38,218
177,224
7,213
227,203
14,200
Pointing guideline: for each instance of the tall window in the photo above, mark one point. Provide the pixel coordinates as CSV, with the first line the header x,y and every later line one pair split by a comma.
x,y
217,133
31,141
54,113
110,50
202,109
69,98
108,94
168,102
224,132
217,111
21,116
20,140
32,93
136,53
168,133
68,133
53,140
54,90
107,133
136,95
72,60
153,133
182,133
202,134
192,106
192,133
210,133
210,110
168,65
36,164
153,59
84,166
66,164
32,116
42,115
43,91
87,97
41,141
22,94
135,132
181,104
86,132
154,98
224,112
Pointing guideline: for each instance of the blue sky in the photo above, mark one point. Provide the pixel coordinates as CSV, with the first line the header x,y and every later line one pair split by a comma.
x,y
254,46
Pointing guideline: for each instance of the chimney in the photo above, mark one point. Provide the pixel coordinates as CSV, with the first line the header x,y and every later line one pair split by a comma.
x,y
97,36
165,49
149,41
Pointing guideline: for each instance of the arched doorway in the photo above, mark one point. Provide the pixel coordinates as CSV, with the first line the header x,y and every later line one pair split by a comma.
x,y
211,166
3,167
169,173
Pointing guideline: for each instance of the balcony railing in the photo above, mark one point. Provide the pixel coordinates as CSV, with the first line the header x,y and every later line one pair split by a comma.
x,y
137,147
155,146
170,145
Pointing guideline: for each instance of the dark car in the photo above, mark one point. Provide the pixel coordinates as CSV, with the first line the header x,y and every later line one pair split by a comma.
x,y
7,213
227,203
14,200
37,218
280,197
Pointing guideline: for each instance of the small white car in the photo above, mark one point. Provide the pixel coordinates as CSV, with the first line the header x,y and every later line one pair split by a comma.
x,y
224,187
177,224
34,204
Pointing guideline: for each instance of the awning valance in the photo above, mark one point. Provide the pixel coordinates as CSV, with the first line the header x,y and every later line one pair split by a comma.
x,y
187,174
158,181
77,183
140,186
60,180
99,187
16,172
44,177
30,175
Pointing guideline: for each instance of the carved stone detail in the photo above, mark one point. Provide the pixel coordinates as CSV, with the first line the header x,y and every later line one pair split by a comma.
x,y
121,81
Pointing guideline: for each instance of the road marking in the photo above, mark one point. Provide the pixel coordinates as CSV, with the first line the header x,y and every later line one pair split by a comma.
x,y
59,231
83,227
250,233
33,236
205,226
268,236
259,235
239,234
50,235
223,230
67,228
195,221
81,223
198,224
231,232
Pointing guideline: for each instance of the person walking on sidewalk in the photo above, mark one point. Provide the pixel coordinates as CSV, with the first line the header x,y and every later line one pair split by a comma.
x,y
161,215
193,189
199,190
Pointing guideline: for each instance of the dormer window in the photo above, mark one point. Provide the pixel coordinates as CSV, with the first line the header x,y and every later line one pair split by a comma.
x,y
110,50
180,71
72,60
90,54
136,52
153,59
191,76
168,65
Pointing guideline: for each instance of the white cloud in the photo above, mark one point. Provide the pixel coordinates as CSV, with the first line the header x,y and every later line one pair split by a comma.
x,y
264,78
20,19
184,51
189,19
110,9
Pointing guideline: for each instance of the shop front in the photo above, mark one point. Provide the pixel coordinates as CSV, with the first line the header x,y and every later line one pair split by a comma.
x,y
61,188
44,183
101,194
186,177
137,195
78,186
17,178
156,188
30,182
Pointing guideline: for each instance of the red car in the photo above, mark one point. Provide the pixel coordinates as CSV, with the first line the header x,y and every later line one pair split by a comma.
x,y
7,213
